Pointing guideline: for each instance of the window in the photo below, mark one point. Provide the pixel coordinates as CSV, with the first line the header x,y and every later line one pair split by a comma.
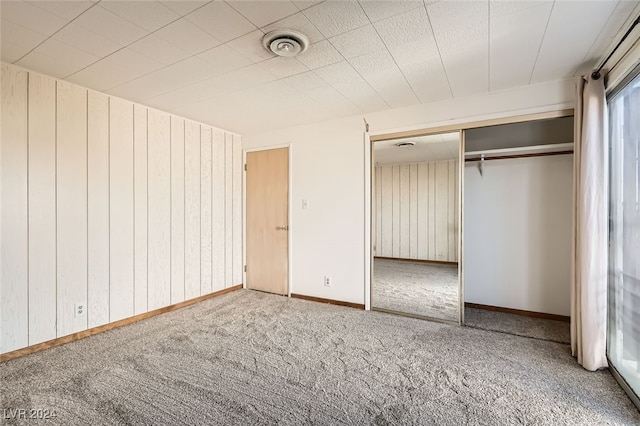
x,y
623,342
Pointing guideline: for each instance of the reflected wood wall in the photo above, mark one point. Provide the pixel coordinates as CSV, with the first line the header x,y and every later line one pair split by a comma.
x,y
417,210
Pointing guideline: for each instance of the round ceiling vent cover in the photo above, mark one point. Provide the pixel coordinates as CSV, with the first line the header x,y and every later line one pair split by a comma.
x,y
286,43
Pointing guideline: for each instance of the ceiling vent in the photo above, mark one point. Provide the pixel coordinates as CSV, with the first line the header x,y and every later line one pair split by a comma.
x,y
405,144
286,43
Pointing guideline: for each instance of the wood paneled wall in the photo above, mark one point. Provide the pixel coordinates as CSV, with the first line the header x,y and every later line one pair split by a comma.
x,y
417,211
110,204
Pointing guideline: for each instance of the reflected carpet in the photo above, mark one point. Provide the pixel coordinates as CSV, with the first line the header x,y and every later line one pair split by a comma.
x,y
418,288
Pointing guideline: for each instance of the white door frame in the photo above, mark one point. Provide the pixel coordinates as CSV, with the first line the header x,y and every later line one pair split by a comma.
x,y
368,252
289,211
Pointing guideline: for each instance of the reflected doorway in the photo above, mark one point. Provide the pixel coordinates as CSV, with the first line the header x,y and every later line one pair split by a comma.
x,y
415,218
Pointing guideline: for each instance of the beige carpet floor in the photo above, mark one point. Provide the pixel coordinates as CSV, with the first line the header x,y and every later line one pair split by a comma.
x,y
536,328
249,358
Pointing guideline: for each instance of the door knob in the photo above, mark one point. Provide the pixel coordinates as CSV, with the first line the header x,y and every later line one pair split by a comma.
x,y
282,228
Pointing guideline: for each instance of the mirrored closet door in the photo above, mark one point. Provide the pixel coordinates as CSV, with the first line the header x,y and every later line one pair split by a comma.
x,y
415,235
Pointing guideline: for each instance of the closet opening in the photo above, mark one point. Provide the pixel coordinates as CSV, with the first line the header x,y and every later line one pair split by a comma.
x,y
518,225
512,223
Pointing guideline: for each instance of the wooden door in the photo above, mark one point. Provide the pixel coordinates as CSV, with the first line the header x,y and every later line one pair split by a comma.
x,y
268,220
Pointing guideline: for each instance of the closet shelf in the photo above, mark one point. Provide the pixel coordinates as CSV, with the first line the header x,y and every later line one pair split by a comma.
x,y
522,150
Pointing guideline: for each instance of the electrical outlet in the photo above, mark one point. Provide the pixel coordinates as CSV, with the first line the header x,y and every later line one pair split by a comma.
x,y
327,281
78,310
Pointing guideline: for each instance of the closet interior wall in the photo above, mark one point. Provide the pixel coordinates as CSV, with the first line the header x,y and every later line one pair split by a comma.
x,y
518,220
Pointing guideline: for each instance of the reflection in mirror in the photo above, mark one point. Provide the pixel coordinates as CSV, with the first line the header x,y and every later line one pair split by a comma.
x,y
415,226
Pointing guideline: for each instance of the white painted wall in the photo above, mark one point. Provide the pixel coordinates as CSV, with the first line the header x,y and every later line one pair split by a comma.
x,y
328,169
416,210
107,203
517,233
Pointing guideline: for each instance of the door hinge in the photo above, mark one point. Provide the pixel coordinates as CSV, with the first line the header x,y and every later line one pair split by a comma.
x,y
245,268
245,167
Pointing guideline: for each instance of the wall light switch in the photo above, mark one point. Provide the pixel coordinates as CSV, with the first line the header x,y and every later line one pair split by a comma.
x,y
305,204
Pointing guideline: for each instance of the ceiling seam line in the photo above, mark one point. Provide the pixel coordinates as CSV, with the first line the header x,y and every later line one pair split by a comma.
x,y
352,67
340,53
535,63
355,70
335,114
391,55
276,80
262,28
309,7
336,90
153,32
577,68
349,101
237,91
148,33
355,28
188,57
392,15
198,81
56,32
177,62
130,44
247,66
369,84
435,40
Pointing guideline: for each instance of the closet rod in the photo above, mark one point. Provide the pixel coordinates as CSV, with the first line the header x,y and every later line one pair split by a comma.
x,y
507,157
530,149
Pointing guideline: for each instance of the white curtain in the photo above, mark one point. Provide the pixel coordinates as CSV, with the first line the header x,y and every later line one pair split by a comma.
x,y
591,170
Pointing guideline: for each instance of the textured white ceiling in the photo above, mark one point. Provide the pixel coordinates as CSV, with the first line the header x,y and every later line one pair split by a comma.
x,y
204,59
444,146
